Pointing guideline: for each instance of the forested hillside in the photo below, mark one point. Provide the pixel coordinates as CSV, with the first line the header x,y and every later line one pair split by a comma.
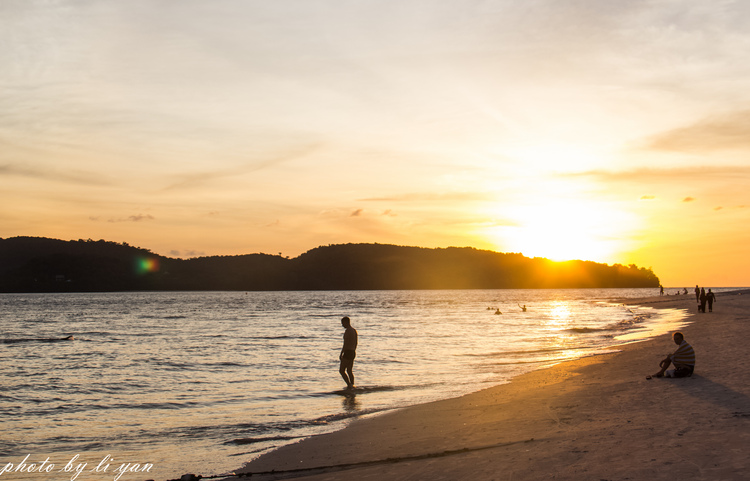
x,y
34,264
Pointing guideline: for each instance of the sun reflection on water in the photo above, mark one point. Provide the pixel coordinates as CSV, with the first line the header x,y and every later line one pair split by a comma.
x,y
560,314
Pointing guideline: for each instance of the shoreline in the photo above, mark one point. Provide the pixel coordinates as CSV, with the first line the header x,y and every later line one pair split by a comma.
x,y
592,418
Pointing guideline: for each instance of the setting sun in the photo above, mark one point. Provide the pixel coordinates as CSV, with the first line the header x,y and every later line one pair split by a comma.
x,y
564,230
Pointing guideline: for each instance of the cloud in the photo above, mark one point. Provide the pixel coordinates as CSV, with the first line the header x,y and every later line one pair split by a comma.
x,y
65,176
729,131
689,199
132,218
191,180
190,253
432,197
648,197
385,213
681,174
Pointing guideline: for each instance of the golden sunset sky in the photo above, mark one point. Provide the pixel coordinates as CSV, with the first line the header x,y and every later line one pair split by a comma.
x,y
608,130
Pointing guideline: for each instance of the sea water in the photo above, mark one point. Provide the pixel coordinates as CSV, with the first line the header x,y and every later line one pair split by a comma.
x,y
159,384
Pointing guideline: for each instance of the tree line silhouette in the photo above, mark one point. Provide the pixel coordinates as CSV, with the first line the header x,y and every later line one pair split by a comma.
x,y
36,264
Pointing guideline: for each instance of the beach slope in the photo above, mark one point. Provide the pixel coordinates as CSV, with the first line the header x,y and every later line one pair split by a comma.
x,y
595,418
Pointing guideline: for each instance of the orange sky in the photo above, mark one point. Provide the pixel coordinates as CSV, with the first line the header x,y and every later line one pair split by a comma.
x,y
604,130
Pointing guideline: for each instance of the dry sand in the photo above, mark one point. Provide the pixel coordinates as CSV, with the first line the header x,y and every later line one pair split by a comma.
x,y
597,418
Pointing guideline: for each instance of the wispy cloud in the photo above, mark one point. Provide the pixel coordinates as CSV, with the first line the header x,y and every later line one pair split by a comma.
x,y
682,174
186,181
432,197
189,253
729,131
53,175
132,218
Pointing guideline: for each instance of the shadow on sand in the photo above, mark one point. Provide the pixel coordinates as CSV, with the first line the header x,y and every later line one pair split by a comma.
x,y
718,394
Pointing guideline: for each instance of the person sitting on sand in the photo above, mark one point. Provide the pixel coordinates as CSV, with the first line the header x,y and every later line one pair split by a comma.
x,y
683,360
348,352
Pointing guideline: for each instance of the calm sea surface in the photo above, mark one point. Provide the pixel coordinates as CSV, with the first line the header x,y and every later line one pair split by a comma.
x,y
201,382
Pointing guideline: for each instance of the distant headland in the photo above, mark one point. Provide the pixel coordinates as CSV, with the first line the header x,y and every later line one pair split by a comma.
x,y
37,264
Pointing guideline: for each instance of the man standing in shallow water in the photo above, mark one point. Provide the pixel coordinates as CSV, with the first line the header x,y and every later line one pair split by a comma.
x,y
348,352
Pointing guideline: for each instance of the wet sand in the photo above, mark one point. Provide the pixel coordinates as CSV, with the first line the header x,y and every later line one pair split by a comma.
x,y
597,418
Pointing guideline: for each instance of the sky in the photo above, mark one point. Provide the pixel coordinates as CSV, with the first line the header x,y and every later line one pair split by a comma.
x,y
603,130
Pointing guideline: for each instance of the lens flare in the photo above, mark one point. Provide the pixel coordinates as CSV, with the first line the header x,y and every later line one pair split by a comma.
x,y
144,265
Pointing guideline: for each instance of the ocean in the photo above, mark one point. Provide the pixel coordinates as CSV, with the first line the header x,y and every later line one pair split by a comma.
x,y
159,384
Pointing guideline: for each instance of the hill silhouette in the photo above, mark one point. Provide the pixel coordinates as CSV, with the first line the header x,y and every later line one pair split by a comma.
x,y
36,264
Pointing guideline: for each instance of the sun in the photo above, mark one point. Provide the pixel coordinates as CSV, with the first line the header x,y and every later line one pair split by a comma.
x,y
563,230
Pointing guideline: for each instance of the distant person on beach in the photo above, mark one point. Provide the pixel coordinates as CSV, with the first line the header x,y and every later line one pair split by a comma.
x,y
683,360
710,298
661,290
523,308
684,291
348,352
702,297
697,293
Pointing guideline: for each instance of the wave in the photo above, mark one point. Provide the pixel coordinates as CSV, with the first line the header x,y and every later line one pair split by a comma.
x,y
332,418
37,339
635,322
240,441
587,330
594,352
530,352
273,338
366,390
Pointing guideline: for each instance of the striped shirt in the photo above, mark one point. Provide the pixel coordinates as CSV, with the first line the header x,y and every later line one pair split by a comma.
x,y
684,354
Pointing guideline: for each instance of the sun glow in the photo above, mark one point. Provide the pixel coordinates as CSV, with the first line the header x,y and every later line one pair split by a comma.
x,y
563,230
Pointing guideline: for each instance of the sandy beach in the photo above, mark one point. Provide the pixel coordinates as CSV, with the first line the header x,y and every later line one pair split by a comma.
x,y
597,418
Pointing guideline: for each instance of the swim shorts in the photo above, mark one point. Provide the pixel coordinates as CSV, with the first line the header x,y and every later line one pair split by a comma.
x,y
349,354
680,372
